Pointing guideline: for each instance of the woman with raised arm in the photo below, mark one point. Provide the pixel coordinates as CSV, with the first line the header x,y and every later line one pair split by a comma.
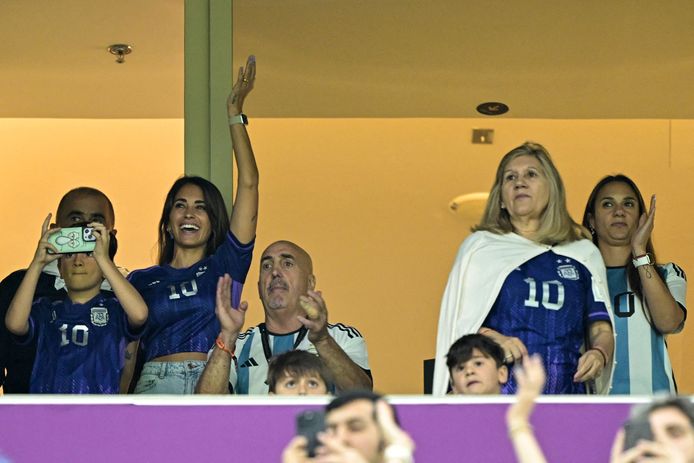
x,y
527,279
198,243
648,298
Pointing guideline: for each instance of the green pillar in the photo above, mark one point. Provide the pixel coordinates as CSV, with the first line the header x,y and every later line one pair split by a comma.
x,y
207,81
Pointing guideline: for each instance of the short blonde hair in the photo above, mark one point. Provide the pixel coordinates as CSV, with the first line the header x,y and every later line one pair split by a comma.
x,y
556,225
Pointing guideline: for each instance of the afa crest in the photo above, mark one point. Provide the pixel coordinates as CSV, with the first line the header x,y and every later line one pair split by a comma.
x,y
99,316
568,272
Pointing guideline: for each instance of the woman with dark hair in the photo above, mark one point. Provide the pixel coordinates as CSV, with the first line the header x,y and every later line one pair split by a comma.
x,y
648,299
198,245
527,279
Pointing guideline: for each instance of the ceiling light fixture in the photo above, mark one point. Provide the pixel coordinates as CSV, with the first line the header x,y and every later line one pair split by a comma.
x,y
120,50
492,108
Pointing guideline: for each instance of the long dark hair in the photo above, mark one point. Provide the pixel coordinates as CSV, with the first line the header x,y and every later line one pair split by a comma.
x,y
216,211
632,272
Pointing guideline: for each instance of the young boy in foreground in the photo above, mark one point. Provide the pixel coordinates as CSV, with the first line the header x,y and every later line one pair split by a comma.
x,y
298,372
476,365
81,339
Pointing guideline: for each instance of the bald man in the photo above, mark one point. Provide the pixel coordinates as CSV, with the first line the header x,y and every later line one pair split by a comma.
x,y
296,318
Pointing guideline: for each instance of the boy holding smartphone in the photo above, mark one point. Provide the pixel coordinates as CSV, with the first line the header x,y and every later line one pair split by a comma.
x,y
81,339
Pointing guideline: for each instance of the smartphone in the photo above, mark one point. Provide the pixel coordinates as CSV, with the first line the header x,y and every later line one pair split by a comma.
x,y
73,240
637,429
309,424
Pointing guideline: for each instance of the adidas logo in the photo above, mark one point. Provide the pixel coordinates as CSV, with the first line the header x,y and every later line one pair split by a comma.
x,y
249,363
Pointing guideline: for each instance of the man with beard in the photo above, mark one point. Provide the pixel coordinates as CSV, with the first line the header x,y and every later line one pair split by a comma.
x,y
296,318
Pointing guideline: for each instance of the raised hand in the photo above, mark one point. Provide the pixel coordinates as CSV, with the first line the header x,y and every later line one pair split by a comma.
x,y
393,436
42,255
640,237
316,319
531,378
230,319
242,87
103,240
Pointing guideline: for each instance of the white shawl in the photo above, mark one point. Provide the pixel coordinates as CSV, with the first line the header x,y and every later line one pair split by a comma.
x,y
483,262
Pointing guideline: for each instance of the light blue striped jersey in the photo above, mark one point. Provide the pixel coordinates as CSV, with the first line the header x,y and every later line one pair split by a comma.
x,y
642,361
251,373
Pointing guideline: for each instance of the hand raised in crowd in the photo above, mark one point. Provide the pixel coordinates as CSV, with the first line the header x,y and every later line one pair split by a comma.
x,y
230,319
590,366
316,319
399,446
531,378
644,451
103,240
42,256
242,87
642,234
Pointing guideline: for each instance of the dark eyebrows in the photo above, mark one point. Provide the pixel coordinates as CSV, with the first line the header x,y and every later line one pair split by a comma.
x,y
89,216
184,200
632,198
283,256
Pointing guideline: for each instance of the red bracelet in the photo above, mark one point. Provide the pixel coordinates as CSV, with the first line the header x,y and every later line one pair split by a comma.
x,y
604,356
223,346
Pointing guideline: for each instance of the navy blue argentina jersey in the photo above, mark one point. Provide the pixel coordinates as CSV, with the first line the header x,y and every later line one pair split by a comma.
x,y
548,303
181,301
81,347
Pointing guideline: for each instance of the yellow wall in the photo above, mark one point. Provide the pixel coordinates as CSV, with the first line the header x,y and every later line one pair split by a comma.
x,y
133,161
368,198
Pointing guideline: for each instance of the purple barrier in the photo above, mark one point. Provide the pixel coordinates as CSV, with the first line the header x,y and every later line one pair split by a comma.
x,y
256,430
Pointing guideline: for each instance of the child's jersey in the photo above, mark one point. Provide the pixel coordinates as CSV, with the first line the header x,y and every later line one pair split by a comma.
x,y
81,347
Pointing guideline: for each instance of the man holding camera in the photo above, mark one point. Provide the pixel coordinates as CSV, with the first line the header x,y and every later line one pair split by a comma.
x,y
360,427
661,431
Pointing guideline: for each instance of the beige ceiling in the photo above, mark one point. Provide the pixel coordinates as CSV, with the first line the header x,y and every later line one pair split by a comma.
x,y
360,58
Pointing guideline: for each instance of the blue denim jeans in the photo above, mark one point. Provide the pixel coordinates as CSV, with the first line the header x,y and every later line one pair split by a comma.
x,y
170,377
